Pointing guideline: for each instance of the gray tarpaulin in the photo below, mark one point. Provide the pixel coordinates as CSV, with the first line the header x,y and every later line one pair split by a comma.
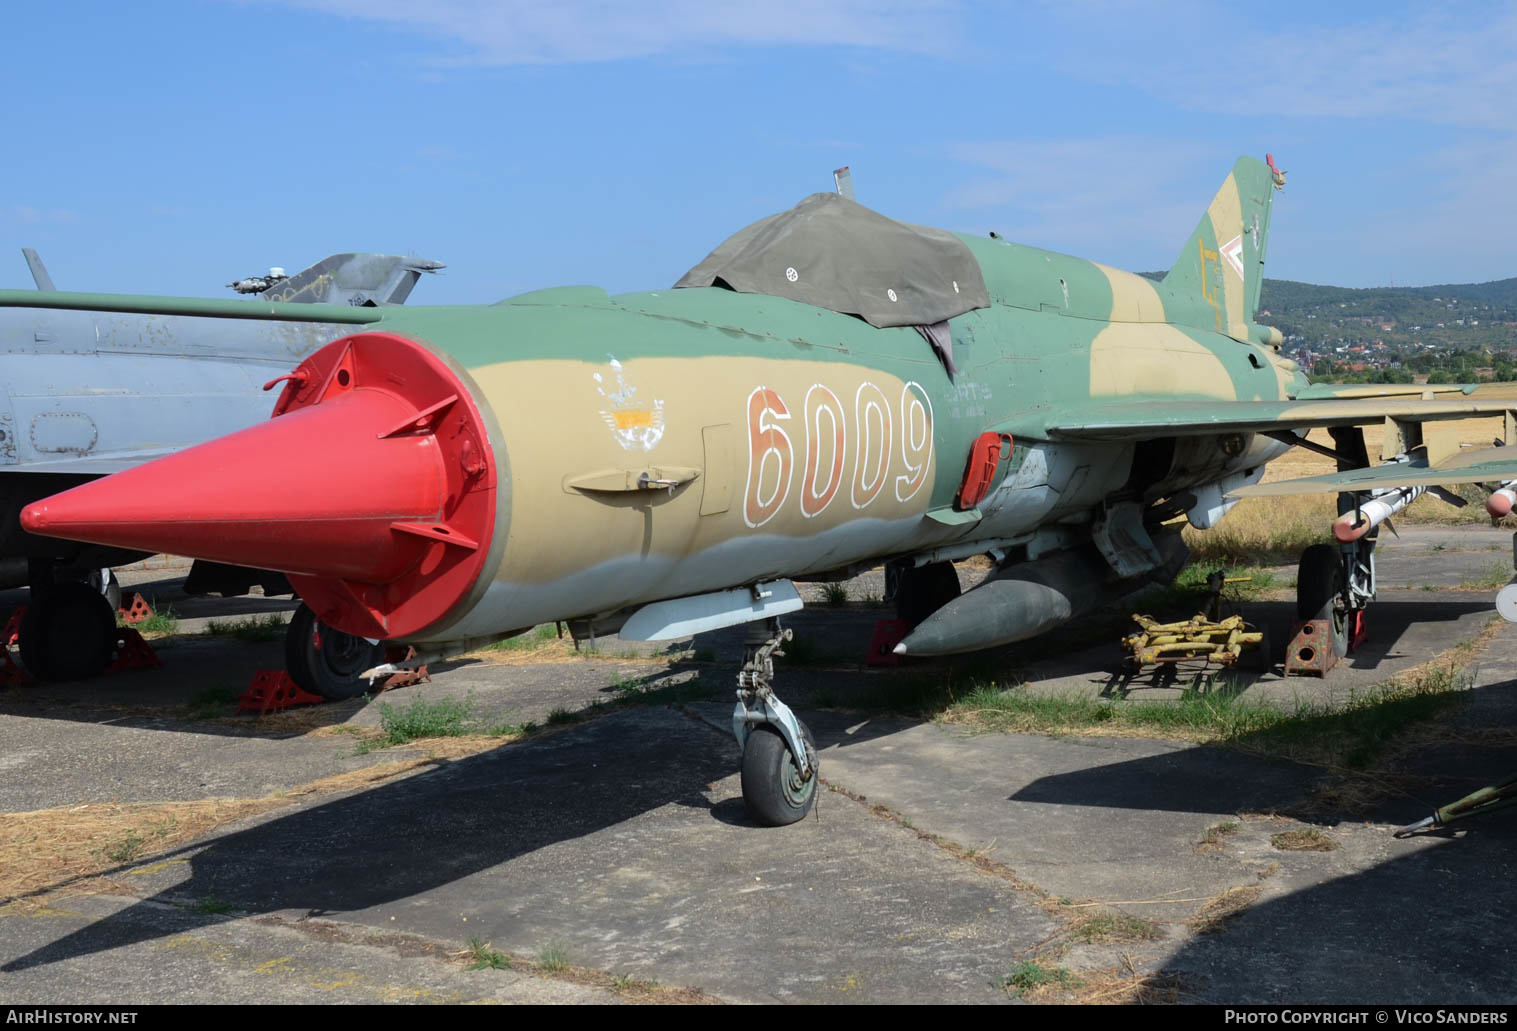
x,y
837,254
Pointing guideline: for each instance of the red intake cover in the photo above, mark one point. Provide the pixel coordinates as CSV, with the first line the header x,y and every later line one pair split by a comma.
x,y
984,459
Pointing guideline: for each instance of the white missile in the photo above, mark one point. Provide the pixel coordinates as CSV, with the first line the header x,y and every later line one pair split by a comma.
x,y
1385,502
1502,499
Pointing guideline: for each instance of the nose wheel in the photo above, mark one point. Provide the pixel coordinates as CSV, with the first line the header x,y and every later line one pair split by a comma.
x,y
779,770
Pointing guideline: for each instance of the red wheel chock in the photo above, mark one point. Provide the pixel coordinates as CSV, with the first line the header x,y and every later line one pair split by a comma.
x,y
1311,649
887,634
1358,630
134,607
132,652
272,690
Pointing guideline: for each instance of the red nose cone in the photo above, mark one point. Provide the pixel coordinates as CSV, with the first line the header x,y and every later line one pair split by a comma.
x,y
1499,503
373,487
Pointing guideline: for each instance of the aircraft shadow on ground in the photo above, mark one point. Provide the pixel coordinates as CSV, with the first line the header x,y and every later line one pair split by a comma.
x,y
1429,925
1228,779
409,836
406,837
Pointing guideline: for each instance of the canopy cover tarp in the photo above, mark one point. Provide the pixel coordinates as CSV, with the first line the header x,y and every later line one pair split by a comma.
x,y
837,254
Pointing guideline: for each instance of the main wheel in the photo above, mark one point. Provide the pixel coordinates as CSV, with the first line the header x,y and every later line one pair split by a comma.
x,y
1321,592
326,661
772,786
922,590
68,632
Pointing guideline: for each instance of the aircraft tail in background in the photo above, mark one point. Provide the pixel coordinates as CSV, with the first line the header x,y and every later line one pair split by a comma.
x,y
361,280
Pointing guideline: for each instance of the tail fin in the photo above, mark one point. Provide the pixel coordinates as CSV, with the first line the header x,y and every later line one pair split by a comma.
x,y
1216,279
356,279
39,270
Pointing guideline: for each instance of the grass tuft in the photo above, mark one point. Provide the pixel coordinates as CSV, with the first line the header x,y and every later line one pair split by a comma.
x,y
161,623
1308,839
1028,976
563,717
1211,841
1495,576
210,702
447,717
125,848
532,640
268,627
1114,929
553,958
836,595
482,957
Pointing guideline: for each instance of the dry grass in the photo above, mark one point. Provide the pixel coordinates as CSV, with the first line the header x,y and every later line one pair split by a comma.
x,y
1215,915
1125,986
1307,839
542,645
75,847
1112,929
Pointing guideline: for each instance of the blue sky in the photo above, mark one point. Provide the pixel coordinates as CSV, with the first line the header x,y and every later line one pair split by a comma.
x,y
170,147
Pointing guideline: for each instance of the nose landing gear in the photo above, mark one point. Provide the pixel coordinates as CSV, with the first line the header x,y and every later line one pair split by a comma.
x,y
779,757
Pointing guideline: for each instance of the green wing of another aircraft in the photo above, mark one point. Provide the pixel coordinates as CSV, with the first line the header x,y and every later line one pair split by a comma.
x,y
135,304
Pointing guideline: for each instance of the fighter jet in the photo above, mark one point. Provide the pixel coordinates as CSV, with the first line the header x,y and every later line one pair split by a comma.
x,y
87,394
827,391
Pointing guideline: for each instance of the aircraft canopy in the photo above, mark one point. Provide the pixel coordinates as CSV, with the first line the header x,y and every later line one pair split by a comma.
x,y
835,253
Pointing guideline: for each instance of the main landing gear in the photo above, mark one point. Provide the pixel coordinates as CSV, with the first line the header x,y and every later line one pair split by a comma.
x,y
1334,585
1322,593
779,756
328,662
68,631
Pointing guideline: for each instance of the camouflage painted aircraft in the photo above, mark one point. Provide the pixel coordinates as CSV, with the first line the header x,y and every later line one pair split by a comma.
x,y
829,390
89,394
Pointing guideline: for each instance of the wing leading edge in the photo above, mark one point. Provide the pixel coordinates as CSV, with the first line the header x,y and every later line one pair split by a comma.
x,y
1147,419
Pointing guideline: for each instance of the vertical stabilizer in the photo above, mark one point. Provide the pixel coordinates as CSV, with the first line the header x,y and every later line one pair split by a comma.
x,y
1215,281
39,270
360,280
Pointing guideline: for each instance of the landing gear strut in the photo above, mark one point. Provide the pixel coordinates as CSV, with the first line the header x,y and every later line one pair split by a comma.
x,y
779,757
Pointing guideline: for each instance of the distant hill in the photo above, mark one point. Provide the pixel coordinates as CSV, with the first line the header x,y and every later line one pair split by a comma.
x,y
1457,316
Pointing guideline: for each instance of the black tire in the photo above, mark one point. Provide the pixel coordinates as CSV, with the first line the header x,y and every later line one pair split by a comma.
x,y
68,632
1321,592
772,789
923,590
326,661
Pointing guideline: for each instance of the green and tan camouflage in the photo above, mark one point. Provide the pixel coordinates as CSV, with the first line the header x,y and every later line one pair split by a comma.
x,y
680,443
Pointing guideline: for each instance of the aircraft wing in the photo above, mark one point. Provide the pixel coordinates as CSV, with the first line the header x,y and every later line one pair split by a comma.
x,y
274,311
1144,420
1479,465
